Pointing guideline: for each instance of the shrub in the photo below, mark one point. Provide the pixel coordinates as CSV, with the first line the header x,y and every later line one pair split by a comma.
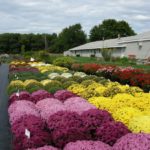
x,y
106,53
64,62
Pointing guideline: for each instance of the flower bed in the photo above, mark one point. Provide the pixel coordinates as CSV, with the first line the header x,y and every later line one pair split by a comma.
x,y
129,75
72,110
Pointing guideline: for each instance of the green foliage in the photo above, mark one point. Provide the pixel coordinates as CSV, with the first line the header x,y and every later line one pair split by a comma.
x,y
110,28
106,53
27,75
54,89
125,60
53,86
64,62
70,37
17,43
22,49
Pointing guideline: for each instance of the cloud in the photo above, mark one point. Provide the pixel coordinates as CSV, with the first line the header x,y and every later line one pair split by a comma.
x,y
48,16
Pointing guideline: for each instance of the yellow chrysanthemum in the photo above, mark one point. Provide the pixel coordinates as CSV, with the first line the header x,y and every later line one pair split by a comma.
x,y
125,114
140,124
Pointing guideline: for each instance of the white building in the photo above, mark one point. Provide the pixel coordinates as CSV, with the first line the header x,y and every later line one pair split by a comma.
x,y
137,46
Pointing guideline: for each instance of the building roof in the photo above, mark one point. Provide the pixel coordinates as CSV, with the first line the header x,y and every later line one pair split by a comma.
x,y
113,43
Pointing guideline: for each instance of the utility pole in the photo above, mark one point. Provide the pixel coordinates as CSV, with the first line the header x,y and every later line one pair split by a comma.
x,y
45,41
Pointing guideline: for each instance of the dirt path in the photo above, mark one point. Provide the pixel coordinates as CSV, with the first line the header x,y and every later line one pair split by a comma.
x,y
5,133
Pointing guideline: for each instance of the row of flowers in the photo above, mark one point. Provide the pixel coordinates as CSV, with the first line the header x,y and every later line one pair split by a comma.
x,y
85,87
129,75
60,121
102,119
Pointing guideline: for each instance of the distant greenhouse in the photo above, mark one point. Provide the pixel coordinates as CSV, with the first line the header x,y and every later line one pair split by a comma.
x,y
137,46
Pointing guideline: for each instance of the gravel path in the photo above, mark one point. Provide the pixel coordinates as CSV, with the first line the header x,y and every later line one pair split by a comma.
x,y
5,133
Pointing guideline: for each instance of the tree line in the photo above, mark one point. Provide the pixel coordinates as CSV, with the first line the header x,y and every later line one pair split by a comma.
x,y
69,37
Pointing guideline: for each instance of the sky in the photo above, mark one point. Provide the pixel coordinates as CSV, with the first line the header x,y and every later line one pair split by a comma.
x,y
49,16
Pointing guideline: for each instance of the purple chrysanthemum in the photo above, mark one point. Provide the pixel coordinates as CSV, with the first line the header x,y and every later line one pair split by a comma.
x,y
66,127
94,118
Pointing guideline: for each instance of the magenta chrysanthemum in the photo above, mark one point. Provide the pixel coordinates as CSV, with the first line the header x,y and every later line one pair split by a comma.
x,y
45,148
133,141
20,108
39,95
87,145
77,104
49,106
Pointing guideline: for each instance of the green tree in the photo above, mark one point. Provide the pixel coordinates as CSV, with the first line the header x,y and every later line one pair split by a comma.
x,y
110,28
70,37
